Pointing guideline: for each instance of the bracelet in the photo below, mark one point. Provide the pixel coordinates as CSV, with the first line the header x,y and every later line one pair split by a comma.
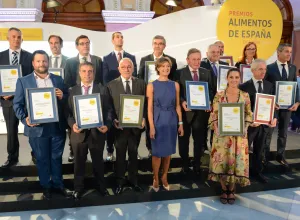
x,y
180,123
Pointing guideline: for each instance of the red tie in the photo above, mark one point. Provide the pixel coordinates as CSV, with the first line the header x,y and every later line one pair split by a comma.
x,y
119,57
195,76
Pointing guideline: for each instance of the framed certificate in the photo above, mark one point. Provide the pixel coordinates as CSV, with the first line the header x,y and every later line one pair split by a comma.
x,y
264,108
285,94
88,111
150,72
222,77
231,119
9,75
57,71
41,105
246,72
131,110
197,95
227,59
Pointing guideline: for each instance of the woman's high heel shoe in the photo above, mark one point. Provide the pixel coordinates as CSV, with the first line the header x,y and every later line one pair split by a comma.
x,y
156,189
165,184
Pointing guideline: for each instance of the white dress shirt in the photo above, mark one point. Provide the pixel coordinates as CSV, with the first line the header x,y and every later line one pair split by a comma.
x,y
88,58
256,84
156,58
43,83
280,68
117,52
193,73
59,59
124,83
11,55
90,89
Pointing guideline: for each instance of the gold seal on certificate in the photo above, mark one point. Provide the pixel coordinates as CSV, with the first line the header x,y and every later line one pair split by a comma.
x,y
231,119
131,110
9,75
264,108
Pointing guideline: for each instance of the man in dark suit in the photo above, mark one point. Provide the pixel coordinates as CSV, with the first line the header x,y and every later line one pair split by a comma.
x,y
46,140
194,121
13,56
212,63
282,71
257,132
89,139
126,138
111,72
71,69
158,45
57,60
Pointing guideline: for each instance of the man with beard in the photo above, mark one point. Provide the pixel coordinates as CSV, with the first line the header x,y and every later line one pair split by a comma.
x,y
46,140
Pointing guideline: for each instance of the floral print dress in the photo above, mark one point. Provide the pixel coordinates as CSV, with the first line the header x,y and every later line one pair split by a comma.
x,y
229,159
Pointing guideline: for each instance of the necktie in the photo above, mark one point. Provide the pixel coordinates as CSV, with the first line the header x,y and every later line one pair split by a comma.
x,y
55,65
15,60
215,69
86,89
195,76
83,60
128,90
259,87
119,57
284,73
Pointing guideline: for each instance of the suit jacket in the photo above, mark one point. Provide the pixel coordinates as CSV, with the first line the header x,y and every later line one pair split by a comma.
x,y
107,112
63,61
116,88
184,75
19,103
273,75
72,72
205,63
26,66
110,66
150,57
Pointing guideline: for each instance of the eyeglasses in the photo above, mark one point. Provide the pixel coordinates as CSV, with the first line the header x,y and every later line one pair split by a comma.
x,y
82,44
253,49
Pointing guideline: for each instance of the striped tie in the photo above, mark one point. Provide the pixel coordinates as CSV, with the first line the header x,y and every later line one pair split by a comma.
x,y
15,60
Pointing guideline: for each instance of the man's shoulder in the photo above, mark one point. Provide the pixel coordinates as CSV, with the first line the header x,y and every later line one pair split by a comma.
x,y
26,52
4,52
170,57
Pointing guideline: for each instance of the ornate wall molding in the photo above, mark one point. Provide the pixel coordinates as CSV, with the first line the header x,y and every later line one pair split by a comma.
x,y
21,14
112,5
132,17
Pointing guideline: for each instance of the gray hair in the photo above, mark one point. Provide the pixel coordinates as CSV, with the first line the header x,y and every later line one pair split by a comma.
x,y
255,64
219,41
281,47
128,59
212,45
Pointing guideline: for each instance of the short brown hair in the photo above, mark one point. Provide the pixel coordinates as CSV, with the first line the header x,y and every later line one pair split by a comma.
x,y
193,50
161,61
59,38
113,35
80,37
281,47
85,64
160,37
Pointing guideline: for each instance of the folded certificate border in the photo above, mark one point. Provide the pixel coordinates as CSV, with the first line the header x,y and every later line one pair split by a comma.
x,y
57,72
188,99
147,77
222,78
293,88
30,106
141,100
245,77
96,96
9,67
238,108
270,100
226,59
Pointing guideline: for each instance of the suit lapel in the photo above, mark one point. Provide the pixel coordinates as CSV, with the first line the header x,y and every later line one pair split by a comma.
x,y
120,86
32,81
290,78
188,74
22,57
53,79
151,57
96,88
50,61
63,61
6,58
134,86
276,69
114,59
252,87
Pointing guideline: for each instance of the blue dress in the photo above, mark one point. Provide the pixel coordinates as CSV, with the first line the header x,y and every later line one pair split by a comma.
x,y
165,118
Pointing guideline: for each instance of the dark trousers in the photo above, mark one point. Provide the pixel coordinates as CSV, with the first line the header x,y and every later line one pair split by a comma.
x,y
48,152
126,140
284,117
198,129
69,136
110,141
12,123
257,136
80,153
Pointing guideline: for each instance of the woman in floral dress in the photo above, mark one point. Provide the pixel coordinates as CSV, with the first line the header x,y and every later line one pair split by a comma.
x,y
229,159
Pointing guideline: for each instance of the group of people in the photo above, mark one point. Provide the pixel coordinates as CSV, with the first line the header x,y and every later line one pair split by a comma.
x,y
166,115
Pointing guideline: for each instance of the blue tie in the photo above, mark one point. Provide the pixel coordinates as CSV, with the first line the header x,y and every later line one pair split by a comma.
x,y
214,69
284,73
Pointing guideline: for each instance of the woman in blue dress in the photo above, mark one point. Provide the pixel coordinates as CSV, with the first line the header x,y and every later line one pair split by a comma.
x,y
164,114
